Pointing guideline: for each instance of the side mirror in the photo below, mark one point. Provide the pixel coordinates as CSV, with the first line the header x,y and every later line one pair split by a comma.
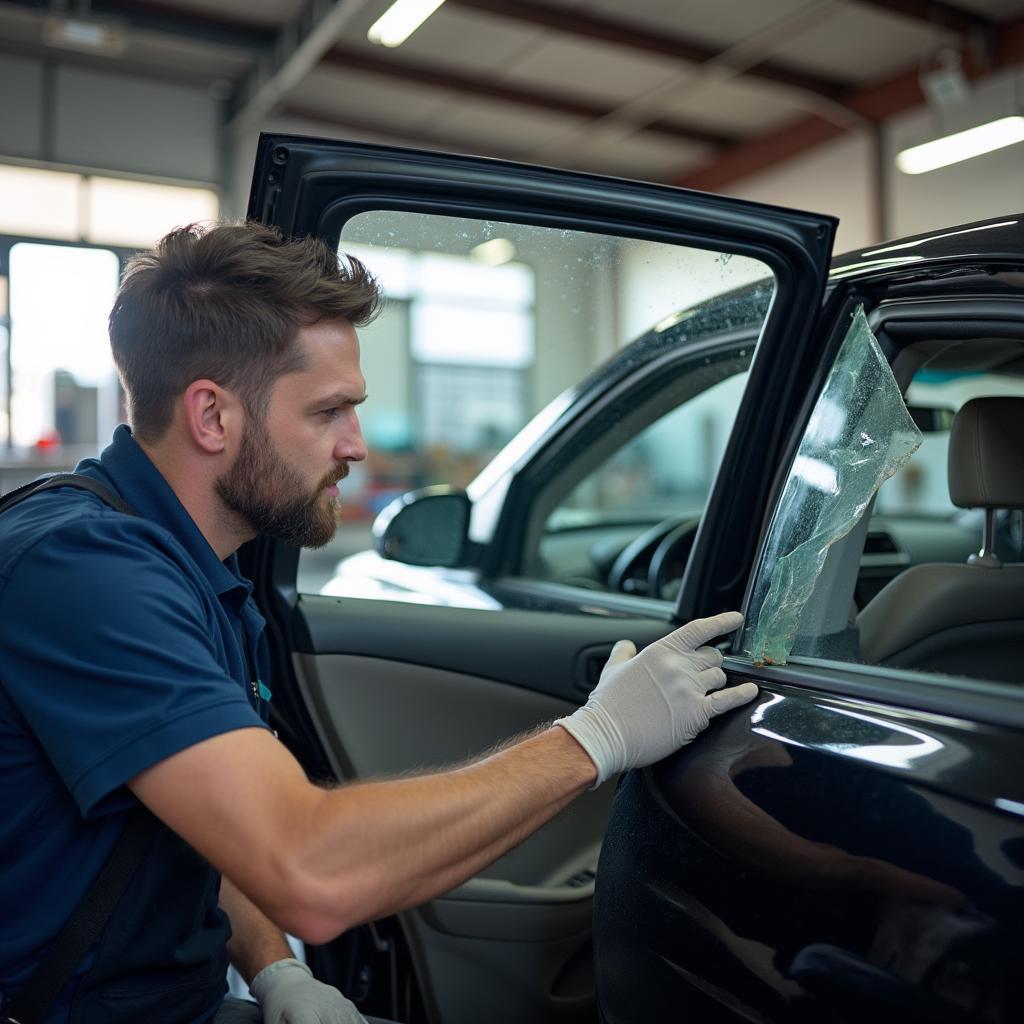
x,y
429,526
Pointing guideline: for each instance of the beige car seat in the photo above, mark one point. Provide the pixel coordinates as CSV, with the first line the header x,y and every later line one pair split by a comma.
x,y
962,619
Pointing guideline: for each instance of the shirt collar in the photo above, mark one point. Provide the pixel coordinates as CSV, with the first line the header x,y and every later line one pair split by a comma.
x,y
143,486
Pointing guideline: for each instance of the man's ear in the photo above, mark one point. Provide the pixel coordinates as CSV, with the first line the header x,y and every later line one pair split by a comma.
x,y
212,416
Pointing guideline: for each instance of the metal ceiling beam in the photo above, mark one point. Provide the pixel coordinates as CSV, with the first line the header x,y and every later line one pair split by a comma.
x,y
354,59
374,130
726,66
875,102
936,14
268,46
122,66
664,44
298,48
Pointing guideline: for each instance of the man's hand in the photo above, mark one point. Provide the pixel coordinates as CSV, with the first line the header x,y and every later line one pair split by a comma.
x,y
289,994
645,706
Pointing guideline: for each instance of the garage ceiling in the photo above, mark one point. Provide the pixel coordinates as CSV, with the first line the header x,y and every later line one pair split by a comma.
x,y
697,92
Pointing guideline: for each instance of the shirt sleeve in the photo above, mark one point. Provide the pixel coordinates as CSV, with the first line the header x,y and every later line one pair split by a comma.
x,y
109,654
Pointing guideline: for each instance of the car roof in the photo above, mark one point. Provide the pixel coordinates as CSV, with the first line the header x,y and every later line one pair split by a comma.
x,y
743,308
997,238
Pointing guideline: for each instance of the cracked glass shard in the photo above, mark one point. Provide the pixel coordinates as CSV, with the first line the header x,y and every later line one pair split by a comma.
x,y
859,435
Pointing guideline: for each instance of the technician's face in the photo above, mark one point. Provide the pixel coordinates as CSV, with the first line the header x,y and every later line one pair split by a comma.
x,y
283,479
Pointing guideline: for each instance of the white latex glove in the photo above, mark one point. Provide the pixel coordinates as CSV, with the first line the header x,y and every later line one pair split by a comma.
x,y
289,994
647,705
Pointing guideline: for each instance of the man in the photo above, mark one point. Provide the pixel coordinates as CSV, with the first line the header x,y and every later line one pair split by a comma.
x,y
135,669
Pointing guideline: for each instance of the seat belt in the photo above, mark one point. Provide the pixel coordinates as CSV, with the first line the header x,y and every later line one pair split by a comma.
x,y
83,929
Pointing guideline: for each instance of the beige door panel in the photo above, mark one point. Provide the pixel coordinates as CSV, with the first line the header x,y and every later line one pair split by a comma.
x,y
517,935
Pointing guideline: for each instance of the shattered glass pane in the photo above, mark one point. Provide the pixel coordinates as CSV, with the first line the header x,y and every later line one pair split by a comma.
x,y
859,434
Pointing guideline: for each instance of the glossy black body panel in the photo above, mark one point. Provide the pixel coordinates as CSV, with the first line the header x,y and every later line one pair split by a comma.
x,y
817,859
980,243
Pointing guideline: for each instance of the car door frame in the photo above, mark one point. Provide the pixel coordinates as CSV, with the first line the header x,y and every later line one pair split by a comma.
x,y
305,186
308,187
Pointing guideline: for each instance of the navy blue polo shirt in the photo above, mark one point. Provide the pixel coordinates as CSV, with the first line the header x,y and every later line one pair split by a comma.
x,y
123,640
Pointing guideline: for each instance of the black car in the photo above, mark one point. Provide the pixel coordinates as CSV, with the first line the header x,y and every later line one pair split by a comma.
x,y
850,845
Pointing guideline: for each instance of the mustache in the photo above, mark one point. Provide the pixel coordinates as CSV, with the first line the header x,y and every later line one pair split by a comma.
x,y
336,477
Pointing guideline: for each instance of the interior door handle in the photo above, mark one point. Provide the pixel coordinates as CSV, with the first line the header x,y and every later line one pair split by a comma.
x,y
589,664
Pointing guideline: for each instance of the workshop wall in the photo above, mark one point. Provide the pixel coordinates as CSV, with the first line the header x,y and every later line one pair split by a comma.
x,y
876,201
836,178
95,118
108,121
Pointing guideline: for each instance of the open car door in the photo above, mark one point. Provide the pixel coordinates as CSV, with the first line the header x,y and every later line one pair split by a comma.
x,y
365,687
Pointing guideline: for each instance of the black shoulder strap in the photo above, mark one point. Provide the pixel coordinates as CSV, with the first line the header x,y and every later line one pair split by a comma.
x,y
85,926
53,480
83,929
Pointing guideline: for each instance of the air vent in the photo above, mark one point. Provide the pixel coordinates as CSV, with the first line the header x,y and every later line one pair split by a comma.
x,y
880,544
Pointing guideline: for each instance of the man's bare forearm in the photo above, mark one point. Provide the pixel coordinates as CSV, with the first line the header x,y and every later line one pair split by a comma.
x,y
318,862
385,846
255,940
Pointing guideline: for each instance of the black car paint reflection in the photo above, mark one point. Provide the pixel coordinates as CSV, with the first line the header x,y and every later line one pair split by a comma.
x,y
875,896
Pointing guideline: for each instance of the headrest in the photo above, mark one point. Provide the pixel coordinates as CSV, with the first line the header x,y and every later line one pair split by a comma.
x,y
986,454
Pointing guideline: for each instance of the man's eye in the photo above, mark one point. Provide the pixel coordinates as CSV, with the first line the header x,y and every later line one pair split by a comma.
x,y
331,414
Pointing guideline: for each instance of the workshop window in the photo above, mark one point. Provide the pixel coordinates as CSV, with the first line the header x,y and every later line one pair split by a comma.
x,y
64,389
65,236
65,207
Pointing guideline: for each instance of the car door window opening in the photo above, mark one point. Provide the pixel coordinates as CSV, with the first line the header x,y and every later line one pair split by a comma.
x,y
916,532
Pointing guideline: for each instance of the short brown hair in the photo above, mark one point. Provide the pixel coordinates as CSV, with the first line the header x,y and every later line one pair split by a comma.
x,y
225,303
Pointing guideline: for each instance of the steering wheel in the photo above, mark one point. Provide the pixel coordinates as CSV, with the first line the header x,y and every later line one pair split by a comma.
x,y
643,567
668,563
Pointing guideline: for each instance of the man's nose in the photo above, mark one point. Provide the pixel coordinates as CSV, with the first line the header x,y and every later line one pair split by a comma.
x,y
351,446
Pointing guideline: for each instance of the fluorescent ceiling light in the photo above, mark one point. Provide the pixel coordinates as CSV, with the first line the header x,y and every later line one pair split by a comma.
x,y
400,20
494,253
93,35
962,146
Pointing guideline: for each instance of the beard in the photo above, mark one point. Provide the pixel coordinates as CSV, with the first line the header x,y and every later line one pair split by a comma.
x,y
268,494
